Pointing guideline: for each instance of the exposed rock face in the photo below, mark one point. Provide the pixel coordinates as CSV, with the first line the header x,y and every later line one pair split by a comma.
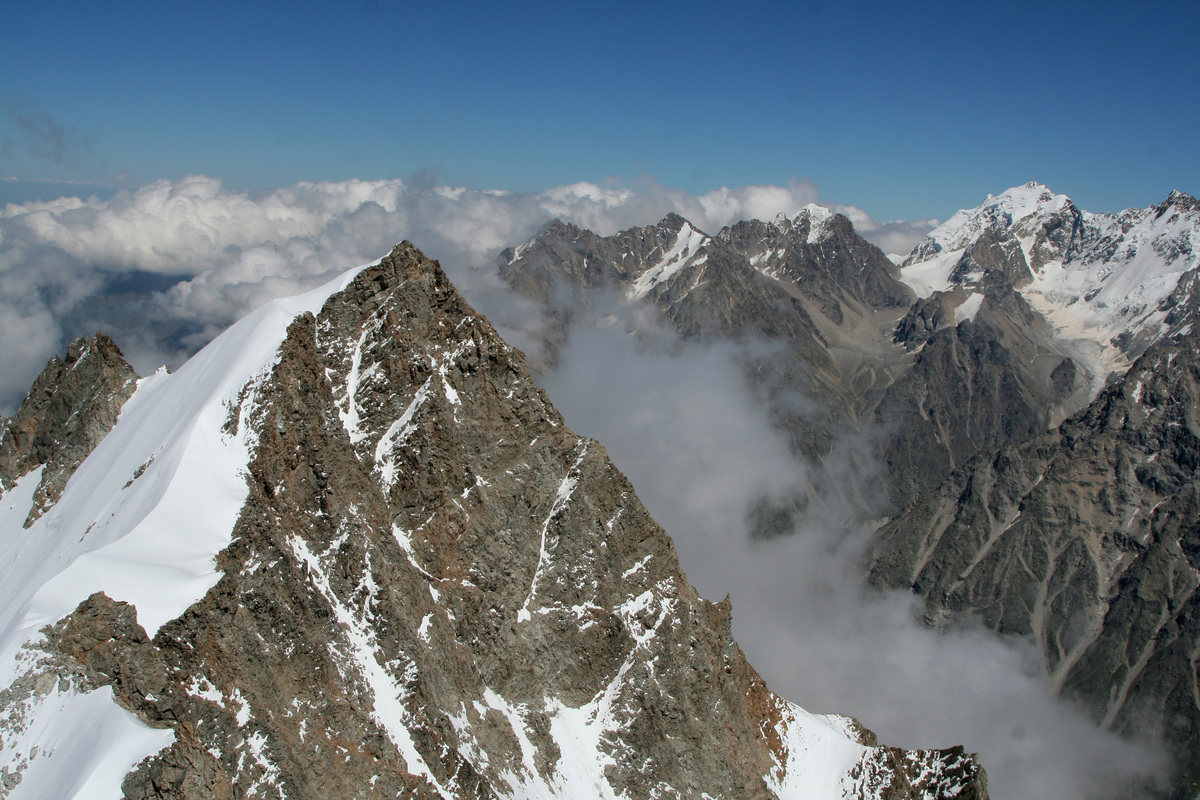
x,y
927,316
434,589
1088,539
984,382
969,377
789,284
819,253
994,259
73,404
689,275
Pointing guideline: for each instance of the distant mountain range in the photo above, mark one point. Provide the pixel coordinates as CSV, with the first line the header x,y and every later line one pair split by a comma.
x,y
1026,376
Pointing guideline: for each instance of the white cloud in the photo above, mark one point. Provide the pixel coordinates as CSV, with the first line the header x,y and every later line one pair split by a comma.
x,y
701,452
228,251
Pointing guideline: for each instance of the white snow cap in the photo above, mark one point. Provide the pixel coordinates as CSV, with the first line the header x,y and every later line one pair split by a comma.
x,y
1111,281
1008,208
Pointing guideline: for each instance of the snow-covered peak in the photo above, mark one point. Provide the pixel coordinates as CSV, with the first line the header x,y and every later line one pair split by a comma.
x,y
997,211
142,520
814,212
1097,278
816,217
1179,199
819,219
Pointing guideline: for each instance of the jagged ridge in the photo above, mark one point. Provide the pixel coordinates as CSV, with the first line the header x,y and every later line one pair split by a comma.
x,y
433,589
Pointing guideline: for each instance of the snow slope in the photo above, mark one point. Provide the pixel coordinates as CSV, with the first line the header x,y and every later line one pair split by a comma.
x,y
685,252
141,520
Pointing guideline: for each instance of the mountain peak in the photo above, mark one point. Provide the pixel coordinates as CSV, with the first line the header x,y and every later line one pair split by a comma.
x,y
820,221
674,223
1004,210
1183,201
72,405
404,577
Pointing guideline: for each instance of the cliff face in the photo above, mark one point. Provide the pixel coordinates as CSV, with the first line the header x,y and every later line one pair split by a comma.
x,y
975,384
432,588
1087,539
933,380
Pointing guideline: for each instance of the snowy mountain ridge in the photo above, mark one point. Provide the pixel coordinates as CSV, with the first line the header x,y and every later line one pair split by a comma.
x,y
350,549
142,521
1102,280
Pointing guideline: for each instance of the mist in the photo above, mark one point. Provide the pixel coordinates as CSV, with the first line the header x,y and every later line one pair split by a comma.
x,y
679,420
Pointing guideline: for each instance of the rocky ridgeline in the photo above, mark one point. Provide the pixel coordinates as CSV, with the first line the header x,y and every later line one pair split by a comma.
x,y
1082,536
69,409
1077,535
849,347
435,589
704,289
977,382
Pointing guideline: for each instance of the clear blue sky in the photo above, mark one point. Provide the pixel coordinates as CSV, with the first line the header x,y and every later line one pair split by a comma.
x,y
906,110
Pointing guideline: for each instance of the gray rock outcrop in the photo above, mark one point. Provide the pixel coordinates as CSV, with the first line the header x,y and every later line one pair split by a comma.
x,y
72,405
1086,538
853,352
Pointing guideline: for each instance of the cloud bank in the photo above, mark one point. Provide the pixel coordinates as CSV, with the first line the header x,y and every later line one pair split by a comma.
x,y
680,422
165,267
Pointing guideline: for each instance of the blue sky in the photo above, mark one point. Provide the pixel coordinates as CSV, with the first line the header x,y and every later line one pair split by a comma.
x,y
905,110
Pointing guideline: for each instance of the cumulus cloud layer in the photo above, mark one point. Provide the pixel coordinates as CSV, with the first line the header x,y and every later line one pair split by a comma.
x,y
165,267
697,446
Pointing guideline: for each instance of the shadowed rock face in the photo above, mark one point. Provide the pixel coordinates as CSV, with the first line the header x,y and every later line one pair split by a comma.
x,y
702,286
814,295
931,389
1083,536
435,589
72,405
927,316
824,258
974,386
1088,539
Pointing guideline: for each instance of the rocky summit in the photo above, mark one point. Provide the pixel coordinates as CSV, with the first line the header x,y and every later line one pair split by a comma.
x,y
351,550
1082,536
73,404
848,342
